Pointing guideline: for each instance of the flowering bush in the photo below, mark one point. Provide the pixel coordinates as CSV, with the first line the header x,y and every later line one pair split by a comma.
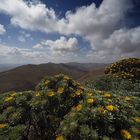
x,y
61,108
14,115
35,115
126,69
54,98
102,116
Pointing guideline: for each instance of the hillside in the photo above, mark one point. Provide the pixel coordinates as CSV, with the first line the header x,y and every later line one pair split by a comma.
x,y
93,74
27,76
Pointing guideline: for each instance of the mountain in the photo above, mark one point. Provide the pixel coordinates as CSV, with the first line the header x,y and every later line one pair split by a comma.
x,y
27,76
87,66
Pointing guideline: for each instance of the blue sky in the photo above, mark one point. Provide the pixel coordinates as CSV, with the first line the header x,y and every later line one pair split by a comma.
x,y
40,31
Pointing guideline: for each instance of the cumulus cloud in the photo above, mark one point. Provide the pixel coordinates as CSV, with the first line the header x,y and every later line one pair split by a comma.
x,y
2,29
39,17
29,15
62,44
124,40
120,44
94,20
89,20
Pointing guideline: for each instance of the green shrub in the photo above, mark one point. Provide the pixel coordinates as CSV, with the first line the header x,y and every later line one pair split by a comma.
x,y
61,108
14,115
37,115
102,116
110,83
53,99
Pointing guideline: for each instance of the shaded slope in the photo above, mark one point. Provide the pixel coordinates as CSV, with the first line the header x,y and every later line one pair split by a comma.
x,y
26,77
92,74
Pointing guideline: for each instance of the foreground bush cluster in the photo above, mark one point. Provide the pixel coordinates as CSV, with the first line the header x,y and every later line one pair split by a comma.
x,y
126,69
61,108
104,116
37,115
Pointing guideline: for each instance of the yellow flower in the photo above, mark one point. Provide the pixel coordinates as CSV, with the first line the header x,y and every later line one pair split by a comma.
x,y
89,94
137,119
60,137
102,110
106,95
13,94
66,77
78,107
60,90
78,92
135,130
127,98
47,81
90,100
51,93
81,87
8,99
110,107
125,134
2,125
37,94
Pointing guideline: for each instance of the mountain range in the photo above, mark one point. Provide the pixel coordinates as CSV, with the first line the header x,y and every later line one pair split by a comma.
x,y
26,77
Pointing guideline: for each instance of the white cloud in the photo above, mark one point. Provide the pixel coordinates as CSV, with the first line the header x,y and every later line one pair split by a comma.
x,y
62,44
38,46
124,40
121,43
29,16
18,55
21,55
85,21
2,29
89,20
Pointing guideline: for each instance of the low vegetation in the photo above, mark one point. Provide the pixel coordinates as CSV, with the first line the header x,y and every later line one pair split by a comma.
x,y
62,109
125,69
112,84
104,116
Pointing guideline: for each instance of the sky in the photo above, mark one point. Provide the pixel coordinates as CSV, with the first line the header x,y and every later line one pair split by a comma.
x,y
61,31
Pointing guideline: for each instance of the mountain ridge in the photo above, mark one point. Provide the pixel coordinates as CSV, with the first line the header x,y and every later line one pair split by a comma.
x,y
27,76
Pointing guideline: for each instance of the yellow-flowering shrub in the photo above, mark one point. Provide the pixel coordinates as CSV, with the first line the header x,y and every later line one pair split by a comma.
x,y
15,115
125,69
109,117
62,109
54,98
